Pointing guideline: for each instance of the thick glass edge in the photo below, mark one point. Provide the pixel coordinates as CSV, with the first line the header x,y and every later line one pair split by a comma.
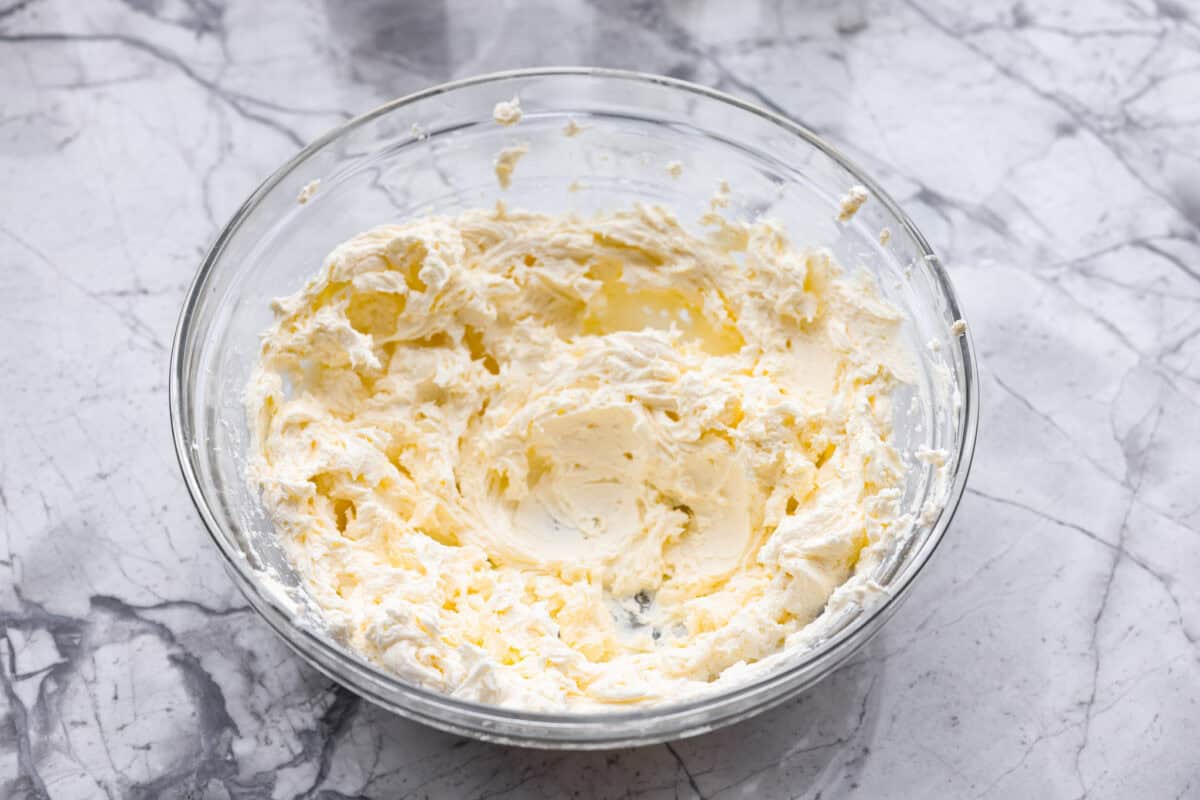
x,y
182,424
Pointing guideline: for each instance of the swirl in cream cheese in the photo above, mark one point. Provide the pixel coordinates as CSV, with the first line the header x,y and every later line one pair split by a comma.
x,y
556,462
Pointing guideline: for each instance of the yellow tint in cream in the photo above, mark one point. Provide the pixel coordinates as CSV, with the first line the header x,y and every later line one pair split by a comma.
x,y
556,462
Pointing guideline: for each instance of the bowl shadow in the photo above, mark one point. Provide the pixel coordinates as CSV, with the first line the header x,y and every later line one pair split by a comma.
x,y
811,744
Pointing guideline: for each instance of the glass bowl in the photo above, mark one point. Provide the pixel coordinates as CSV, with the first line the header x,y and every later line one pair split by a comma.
x,y
433,152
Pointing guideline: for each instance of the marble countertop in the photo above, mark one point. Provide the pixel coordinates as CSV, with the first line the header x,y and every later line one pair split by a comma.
x,y
1048,150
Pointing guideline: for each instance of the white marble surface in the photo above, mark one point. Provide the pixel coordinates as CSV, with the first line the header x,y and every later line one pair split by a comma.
x,y
1050,152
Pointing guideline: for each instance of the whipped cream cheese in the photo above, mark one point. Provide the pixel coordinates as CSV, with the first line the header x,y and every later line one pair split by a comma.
x,y
852,202
554,462
308,190
506,161
507,112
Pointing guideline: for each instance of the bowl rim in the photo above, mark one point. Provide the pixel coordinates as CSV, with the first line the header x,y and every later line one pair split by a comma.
x,y
826,648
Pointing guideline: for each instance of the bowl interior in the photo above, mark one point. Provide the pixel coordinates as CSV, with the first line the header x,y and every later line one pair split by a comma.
x,y
434,154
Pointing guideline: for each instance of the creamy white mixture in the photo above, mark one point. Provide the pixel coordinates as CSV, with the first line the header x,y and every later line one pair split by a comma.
x,y
555,462
852,202
507,112
506,161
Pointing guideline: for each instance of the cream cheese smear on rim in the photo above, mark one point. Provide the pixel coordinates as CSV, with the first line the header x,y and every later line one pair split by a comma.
x,y
558,462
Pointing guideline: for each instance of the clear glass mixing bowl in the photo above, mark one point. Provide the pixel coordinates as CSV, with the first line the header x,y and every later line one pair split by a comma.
x,y
433,152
